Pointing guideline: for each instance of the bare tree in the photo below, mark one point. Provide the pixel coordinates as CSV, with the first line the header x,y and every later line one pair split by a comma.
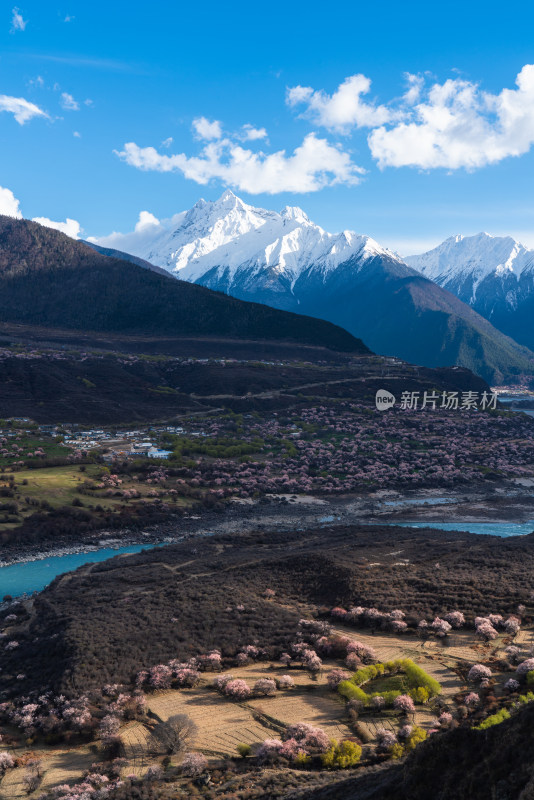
x,y
33,775
173,736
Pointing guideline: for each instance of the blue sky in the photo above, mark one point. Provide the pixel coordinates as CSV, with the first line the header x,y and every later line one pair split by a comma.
x,y
111,109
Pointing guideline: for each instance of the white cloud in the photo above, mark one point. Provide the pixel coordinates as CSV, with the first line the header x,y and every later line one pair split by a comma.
x,y
206,130
68,102
415,87
21,109
9,205
133,242
342,110
77,134
17,21
458,125
146,220
252,134
71,226
313,165
167,142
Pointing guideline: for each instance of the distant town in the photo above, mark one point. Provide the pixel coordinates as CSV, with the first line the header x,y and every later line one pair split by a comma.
x,y
110,444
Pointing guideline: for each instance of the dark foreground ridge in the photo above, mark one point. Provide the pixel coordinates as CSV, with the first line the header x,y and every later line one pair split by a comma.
x,y
51,376
50,280
106,621
461,765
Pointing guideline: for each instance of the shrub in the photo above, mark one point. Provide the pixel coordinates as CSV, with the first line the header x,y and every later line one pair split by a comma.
x,y
193,764
423,686
109,729
398,626
478,672
351,692
221,681
365,674
237,689
285,682
417,735
386,739
440,627
389,697
6,762
244,749
418,677
335,676
364,653
353,661
341,756
269,750
338,613
495,719
455,618
397,751
187,677
512,625
311,662
513,652
302,759
265,687
404,703
525,667
307,736
486,631
472,699
154,773
33,775
420,694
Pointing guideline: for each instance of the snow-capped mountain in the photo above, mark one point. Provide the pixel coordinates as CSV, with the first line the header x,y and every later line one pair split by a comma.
x,y
231,237
287,261
493,274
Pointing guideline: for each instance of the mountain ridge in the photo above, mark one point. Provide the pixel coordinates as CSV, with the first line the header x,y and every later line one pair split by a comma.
x,y
48,279
492,274
286,261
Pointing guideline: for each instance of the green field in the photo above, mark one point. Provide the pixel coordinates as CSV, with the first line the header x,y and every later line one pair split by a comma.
x,y
28,491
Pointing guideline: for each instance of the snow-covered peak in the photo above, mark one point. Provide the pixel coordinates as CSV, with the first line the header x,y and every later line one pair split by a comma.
x,y
476,257
294,213
230,235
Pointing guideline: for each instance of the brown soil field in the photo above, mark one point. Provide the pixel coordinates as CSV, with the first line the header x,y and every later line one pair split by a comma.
x,y
223,724
61,765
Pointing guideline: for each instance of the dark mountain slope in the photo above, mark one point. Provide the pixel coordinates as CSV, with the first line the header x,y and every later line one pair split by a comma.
x,y
50,280
492,274
109,251
497,763
400,312
286,261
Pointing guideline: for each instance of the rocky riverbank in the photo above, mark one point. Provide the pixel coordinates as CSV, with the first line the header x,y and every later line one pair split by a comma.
x,y
513,502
